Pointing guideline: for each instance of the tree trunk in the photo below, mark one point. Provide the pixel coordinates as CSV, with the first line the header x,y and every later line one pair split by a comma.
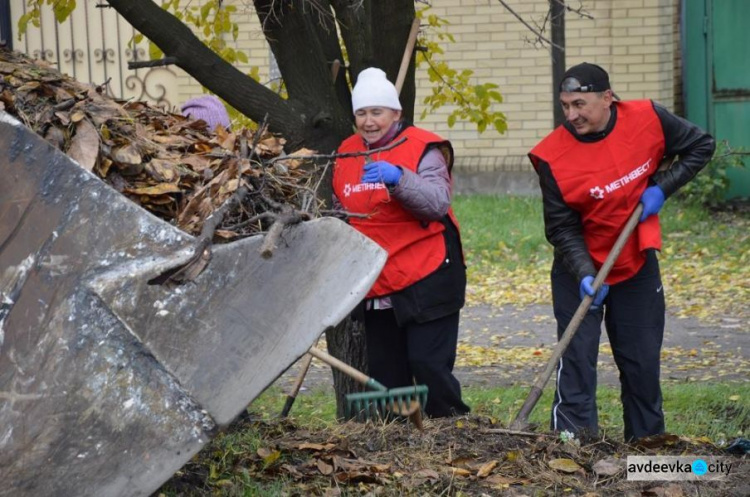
x,y
347,342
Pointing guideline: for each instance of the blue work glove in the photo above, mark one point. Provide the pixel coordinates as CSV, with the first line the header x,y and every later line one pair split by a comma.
x,y
587,288
652,200
382,172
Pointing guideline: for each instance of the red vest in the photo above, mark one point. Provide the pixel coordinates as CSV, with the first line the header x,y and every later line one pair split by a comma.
x,y
415,248
604,181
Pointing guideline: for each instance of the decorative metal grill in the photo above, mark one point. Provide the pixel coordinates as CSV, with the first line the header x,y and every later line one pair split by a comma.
x,y
95,45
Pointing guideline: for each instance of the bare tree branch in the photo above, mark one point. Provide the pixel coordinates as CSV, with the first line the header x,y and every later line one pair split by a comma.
x,y
531,28
578,11
334,156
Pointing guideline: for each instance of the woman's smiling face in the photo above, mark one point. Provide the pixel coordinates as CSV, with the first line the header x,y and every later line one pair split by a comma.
x,y
374,122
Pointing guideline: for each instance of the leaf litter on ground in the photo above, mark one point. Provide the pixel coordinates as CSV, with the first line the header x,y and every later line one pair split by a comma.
x,y
454,456
698,283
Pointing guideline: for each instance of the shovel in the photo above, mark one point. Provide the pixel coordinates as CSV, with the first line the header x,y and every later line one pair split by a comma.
x,y
109,384
521,421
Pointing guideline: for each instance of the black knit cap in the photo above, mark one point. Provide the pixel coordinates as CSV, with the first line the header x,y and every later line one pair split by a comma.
x,y
585,78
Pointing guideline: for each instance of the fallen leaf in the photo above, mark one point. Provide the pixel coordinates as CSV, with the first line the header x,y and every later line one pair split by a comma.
x,y
162,170
428,474
564,465
656,441
462,462
312,446
127,155
269,456
295,163
459,471
324,467
672,490
607,467
77,116
56,137
159,189
84,147
486,469
63,117
355,477
503,481
513,455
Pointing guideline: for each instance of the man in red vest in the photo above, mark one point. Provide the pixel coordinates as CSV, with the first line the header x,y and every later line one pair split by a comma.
x,y
593,171
402,197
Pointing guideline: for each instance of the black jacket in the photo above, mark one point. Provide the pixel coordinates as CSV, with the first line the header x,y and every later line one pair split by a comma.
x,y
563,228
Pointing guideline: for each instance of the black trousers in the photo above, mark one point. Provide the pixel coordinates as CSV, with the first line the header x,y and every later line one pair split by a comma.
x,y
425,352
634,317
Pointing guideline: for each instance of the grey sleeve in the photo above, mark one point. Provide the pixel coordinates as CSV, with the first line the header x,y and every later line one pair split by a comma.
x,y
426,194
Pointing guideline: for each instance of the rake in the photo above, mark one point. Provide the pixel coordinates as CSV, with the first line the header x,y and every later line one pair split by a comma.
x,y
380,402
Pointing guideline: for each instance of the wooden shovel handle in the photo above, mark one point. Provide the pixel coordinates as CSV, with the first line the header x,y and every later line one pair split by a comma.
x,y
305,366
536,390
410,42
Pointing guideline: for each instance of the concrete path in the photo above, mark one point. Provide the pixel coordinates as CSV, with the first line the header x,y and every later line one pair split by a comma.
x,y
692,351
503,346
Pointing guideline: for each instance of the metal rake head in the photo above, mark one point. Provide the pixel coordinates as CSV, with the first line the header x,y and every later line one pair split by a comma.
x,y
387,404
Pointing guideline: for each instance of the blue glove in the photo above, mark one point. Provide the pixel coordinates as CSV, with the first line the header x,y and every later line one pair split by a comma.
x,y
587,288
652,200
382,172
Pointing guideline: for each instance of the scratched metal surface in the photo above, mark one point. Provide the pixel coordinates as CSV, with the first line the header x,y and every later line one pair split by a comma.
x,y
108,385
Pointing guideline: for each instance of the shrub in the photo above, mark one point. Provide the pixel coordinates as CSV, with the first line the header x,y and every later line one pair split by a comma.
x,y
710,186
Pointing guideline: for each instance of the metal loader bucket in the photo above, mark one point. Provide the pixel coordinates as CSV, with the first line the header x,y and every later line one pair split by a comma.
x,y
108,385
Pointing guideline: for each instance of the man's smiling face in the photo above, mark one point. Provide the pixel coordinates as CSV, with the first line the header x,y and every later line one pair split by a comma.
x,y
587,112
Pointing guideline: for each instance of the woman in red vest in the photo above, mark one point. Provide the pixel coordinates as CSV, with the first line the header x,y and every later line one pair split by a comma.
x,y
402,197
593,171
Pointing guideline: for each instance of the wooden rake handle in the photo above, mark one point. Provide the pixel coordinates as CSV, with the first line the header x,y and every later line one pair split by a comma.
x,y
346,369
521,421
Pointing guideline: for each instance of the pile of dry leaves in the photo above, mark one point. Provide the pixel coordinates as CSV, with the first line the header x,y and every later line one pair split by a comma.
x,y
462,456
171,165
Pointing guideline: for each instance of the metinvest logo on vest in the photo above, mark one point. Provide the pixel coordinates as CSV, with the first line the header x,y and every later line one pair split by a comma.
x,y
362,187
639,171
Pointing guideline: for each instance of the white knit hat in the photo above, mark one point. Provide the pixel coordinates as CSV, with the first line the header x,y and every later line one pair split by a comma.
x,y
374,90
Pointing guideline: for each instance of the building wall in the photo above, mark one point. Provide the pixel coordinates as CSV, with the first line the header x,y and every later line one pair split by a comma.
x,y
632,39
635,40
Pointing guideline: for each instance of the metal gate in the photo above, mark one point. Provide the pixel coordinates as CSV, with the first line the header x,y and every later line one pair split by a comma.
x,y
95,45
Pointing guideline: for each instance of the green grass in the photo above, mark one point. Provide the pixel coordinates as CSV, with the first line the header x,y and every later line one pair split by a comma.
x,y
502,230
693,410
719,411
509,231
